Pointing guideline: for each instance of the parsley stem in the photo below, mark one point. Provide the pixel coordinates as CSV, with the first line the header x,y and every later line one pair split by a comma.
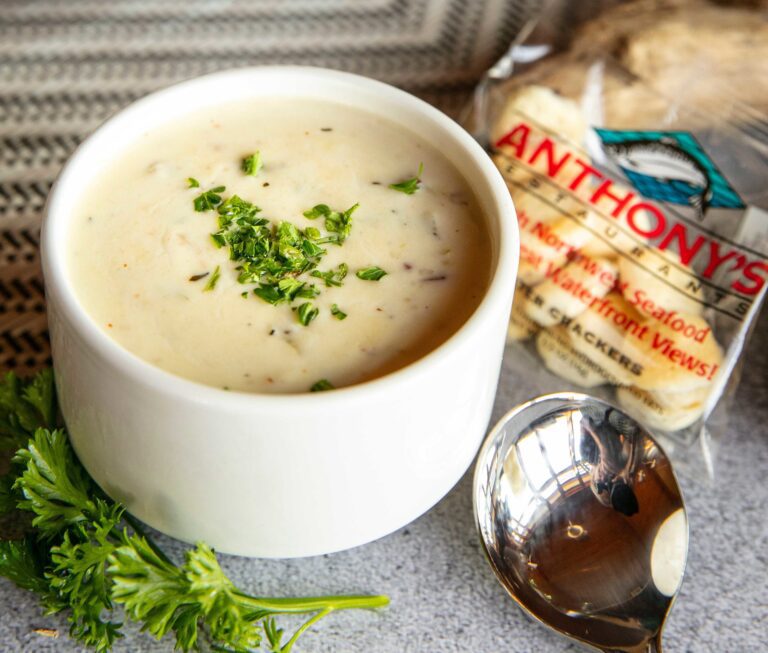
x,y
298,605
314,619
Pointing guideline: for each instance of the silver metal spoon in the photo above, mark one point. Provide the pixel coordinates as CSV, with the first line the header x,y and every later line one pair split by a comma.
x,y
582,520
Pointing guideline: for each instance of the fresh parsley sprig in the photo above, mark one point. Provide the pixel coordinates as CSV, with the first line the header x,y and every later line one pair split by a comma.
x,y
25,407
85,555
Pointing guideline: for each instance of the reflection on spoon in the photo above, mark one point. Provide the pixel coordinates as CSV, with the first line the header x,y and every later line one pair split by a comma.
x,y
582,520
669,552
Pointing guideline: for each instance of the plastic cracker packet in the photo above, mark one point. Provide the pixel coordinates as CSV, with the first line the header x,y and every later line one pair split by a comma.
x,y
642,204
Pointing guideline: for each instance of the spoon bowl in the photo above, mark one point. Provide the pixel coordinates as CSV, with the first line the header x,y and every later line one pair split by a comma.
x,y
582,520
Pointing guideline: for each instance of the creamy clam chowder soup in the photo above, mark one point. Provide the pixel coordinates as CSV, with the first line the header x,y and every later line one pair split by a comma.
x,y
279,246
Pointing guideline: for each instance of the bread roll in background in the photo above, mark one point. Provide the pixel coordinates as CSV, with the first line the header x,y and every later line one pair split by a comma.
x,y
706,51
714,56
544,107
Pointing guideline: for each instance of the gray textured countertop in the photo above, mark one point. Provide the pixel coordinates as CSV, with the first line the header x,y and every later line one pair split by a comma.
x,y
445,598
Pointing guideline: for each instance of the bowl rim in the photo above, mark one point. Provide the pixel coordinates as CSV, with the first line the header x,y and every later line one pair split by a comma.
x,y
499,291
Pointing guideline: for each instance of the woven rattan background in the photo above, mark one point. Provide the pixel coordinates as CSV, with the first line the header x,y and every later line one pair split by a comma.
x,y
67,65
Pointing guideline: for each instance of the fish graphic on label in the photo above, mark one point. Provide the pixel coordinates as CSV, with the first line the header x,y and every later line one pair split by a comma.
x,y
670,167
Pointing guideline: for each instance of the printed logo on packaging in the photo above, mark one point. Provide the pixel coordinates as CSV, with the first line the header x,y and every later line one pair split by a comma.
x,y
670,166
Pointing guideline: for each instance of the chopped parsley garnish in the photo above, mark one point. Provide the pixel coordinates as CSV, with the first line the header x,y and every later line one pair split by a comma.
x,y
338,223
270,294
307,312
316,211
237,208
252,164
373,273
193,183
338,313
290,287
266,253
209,200
332,277
322,385
409,186
273,256
211,284
285,291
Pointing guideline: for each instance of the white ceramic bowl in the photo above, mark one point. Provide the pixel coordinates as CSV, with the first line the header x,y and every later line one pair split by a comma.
x,y
277,475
